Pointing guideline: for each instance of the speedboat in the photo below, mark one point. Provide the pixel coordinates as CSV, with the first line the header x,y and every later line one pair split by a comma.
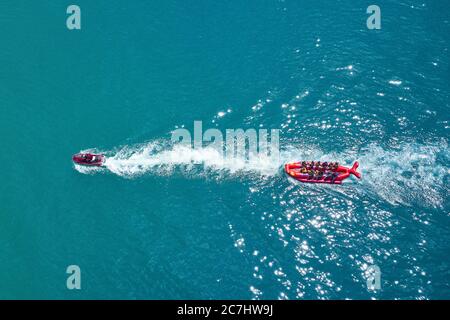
x,y
89,159
320,172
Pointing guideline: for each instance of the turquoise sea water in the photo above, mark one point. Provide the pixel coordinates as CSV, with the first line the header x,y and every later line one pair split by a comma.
x,y
153,225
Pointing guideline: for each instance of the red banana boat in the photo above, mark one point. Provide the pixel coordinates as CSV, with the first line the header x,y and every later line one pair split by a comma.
x,y
89,159
317,172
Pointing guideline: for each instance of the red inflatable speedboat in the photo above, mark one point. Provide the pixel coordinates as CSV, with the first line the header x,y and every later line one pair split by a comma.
x,y
89,159
320,172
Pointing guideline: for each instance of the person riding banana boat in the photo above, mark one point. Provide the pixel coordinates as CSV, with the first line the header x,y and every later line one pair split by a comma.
x,y
320,172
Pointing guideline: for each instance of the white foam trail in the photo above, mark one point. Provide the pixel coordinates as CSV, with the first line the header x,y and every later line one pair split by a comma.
x,y
412,174
136,161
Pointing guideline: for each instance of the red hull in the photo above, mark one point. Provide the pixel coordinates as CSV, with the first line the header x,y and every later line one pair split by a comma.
x,y
89,159
330,176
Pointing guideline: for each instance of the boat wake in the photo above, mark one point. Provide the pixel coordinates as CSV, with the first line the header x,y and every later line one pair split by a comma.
x,y
133,161
408,175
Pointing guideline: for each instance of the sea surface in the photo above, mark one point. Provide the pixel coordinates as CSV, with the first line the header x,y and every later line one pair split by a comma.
x,y
164,222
